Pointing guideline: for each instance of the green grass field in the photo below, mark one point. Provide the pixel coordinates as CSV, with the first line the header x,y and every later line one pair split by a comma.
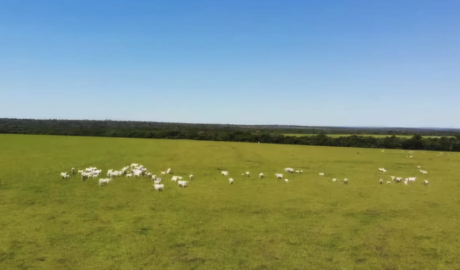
x,y
308,223
372,135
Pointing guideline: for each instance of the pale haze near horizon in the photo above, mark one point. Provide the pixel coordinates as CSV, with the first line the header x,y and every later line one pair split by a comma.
x,y
333,63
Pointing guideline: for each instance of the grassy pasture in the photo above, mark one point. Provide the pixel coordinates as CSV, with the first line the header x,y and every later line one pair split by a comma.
x,y
308,223
372,135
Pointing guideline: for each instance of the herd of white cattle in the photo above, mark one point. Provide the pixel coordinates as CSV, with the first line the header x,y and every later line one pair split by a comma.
x,y
136,170
407,180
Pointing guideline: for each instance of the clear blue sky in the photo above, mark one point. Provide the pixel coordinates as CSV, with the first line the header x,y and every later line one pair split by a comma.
x,y
336,62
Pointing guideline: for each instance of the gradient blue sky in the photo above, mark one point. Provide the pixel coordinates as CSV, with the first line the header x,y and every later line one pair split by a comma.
x,y
335,62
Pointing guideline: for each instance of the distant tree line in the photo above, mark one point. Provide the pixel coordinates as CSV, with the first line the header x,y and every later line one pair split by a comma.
x,y
211,132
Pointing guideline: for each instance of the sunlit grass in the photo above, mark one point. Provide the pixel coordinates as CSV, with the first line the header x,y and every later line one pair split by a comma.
x,y
308,223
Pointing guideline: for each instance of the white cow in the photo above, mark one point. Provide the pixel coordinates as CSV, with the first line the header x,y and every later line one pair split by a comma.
x,y
128,175
286,180
182,183
137,173
334,180
191,176
159,187
224,173
392,178
290,170
230,180
426,182
163,173
261,175
279,175
388,182
248,174
168,171
380,181
157,181
321,174
174,178
105,181
345,180
85,176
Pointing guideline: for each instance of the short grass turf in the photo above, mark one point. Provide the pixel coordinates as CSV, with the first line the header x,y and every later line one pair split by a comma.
x,y
308,223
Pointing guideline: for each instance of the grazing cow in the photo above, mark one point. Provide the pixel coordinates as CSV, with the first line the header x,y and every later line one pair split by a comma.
x,y
261,175
128,175
191,176
158,187
225,173
426,182
345,180
290,170
182,183
380,181
392,178
388,182
85,176
104,181
334,180
174,178
248,174
168,171
230,180
286,180
279,175
321,174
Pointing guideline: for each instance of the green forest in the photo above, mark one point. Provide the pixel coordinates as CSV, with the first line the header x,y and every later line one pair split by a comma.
x,y
449,140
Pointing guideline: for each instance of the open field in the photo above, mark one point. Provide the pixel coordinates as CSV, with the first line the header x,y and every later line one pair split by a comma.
x,y
372,135
308,223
